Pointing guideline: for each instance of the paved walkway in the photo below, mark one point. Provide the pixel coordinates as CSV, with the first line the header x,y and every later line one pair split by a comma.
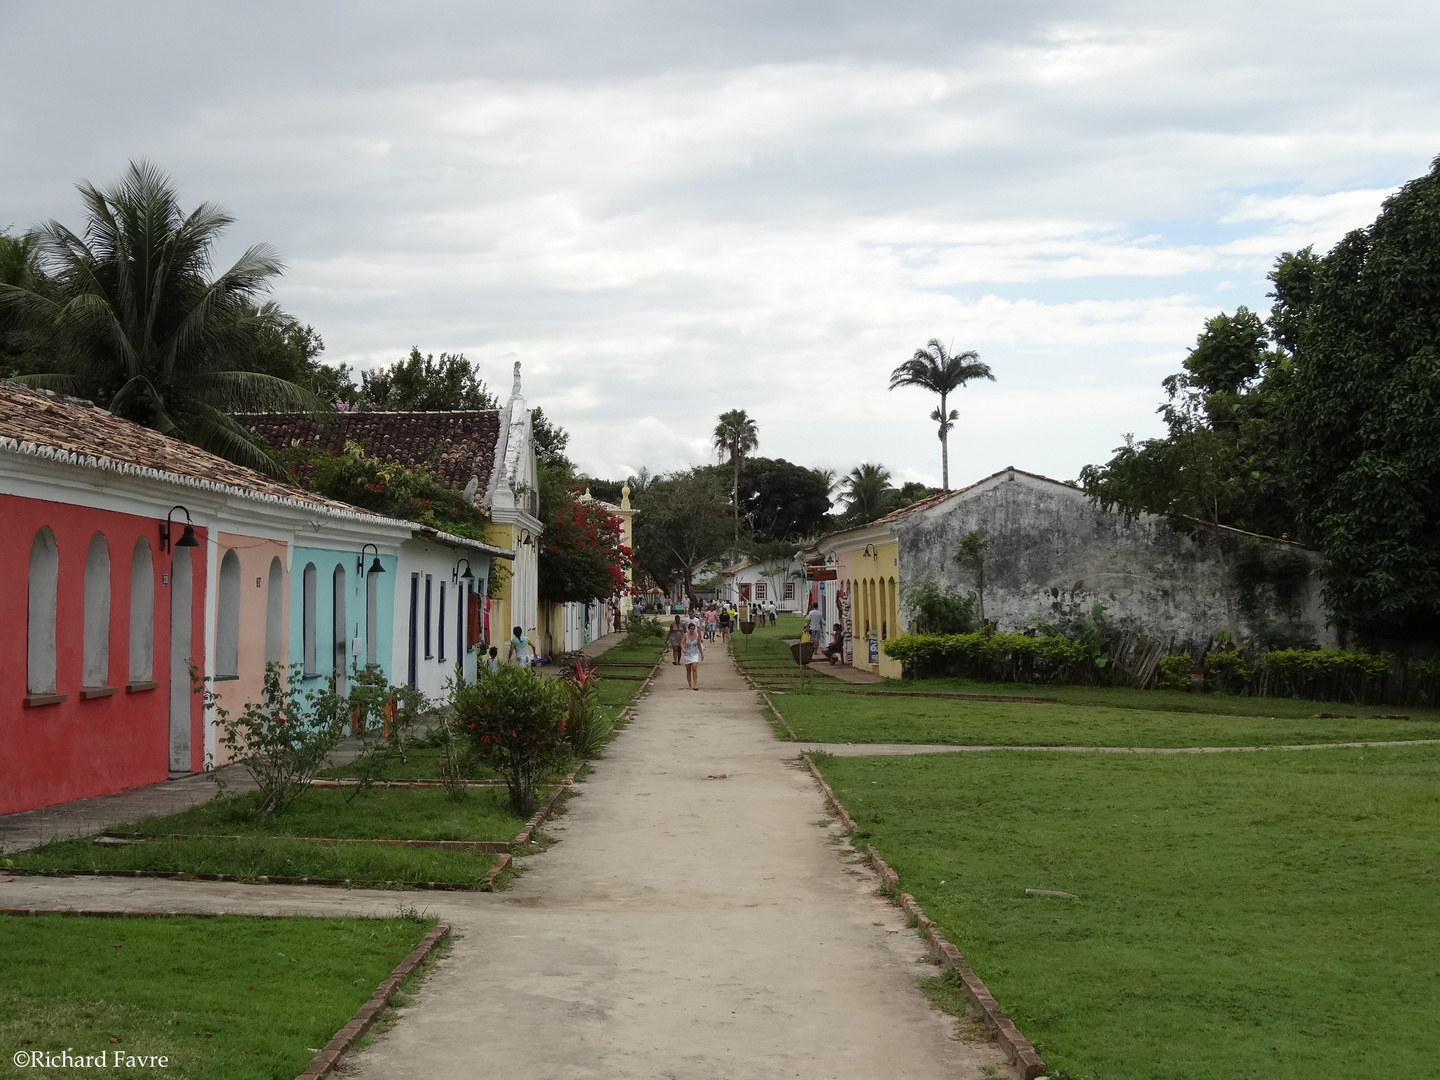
x,y
906,749
685,927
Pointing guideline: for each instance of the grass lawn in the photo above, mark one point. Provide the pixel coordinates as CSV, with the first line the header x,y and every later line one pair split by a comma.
x,y
419,764
228,998
388,813
1238,915
826,715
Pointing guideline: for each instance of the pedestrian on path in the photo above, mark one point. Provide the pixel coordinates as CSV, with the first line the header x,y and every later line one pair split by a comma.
x,y
677,634
692,651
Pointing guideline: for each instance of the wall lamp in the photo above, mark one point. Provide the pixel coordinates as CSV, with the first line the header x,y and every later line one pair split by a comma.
x,y
187,538
456,576
871,552
375,567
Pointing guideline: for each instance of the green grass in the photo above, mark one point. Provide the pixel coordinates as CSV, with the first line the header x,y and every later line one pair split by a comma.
x,y
419,764
827,715
264,851
615,694
228,998
1238,915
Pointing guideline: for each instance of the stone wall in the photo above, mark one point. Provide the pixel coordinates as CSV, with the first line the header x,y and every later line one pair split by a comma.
x,y
1054,555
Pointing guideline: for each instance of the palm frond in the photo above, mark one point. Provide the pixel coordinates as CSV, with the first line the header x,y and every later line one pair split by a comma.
x,y
210,429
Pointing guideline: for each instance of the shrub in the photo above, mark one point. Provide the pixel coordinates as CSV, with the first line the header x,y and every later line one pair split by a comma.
x,y
1422,682
937,610
285,739
987,657
1226,670
584,724
1174,672
1325,674
516,721
640,629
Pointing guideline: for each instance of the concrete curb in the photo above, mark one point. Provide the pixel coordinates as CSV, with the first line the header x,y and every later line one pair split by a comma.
x,y
325,1061
1018,1048
488,846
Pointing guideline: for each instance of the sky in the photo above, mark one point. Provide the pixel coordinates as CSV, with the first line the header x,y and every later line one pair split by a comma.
x,y
666,210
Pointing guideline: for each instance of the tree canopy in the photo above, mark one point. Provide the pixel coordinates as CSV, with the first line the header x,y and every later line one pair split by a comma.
x,y
128,314
683,521
421,383
783,501
867,493
582,554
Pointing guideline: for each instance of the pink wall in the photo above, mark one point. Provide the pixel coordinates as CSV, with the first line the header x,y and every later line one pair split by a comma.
x,y
77,748
255,556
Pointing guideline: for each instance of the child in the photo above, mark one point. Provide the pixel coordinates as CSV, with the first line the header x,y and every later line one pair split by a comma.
x,y
677,632
520,654
492,662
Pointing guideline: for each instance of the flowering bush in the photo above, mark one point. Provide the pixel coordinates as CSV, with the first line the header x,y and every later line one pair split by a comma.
x,y
516,721
586,728
284,739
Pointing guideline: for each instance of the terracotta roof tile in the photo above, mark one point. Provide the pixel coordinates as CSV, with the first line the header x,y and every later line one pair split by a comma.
x,y
452,446
58,426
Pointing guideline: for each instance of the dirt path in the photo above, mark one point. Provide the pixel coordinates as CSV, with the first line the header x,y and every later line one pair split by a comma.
x,y
685,927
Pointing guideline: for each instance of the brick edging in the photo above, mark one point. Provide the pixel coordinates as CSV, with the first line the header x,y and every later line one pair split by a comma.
x,y
324,1062
1018,1048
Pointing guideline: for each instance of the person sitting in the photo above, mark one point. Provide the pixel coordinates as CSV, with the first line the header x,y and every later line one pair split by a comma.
x,y
836,650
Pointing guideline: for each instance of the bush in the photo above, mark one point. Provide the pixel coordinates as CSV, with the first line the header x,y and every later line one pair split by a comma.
x,y
516,721
988,657
1174,672
584,724
1325,674
1227,671
640,629
285,739
939,611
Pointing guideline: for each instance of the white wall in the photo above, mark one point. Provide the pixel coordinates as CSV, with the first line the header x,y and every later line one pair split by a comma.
x,y
430,561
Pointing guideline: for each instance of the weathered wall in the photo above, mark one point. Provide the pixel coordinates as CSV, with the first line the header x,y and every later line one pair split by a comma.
x,y
1154,580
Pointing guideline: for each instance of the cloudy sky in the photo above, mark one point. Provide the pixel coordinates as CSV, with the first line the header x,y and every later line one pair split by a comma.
x,y
666,210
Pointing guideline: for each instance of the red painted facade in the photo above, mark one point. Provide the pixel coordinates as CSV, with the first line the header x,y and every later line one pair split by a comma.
x,y
79,748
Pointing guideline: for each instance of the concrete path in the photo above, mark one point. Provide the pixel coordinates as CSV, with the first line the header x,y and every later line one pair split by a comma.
x,y
685,927
906,749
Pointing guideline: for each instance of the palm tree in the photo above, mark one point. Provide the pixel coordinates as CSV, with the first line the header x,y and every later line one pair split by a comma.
x,y
735,436
867,493
133,320
940,372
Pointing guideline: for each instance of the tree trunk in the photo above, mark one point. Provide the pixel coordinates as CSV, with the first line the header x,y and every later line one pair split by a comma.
x,y
944,448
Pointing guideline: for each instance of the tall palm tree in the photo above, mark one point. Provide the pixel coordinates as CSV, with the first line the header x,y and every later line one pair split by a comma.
x,y
736,436
134,321
933,368
867,493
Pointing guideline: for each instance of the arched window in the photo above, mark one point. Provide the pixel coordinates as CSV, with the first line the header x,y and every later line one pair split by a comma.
x,y
44,581
227,625
275,613
142,613
337,635
307,620
96,667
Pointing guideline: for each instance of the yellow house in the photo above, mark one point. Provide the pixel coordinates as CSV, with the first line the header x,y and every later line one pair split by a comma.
x,y
866,590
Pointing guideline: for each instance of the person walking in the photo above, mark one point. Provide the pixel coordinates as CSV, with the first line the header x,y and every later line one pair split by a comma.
x,y
520,653
816,625
692,651
725,623
677,634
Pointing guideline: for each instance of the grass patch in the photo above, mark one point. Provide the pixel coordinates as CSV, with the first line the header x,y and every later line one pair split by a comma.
x,y
1238,915
228,998
826,715
265,851
419,764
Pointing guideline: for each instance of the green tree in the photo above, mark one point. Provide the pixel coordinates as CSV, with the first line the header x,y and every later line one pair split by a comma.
x,y
582,556
683,522
20,347
971,556
1365,410
735,436
867,493
550,438
290,351
781,500
132,319
421,383
933,368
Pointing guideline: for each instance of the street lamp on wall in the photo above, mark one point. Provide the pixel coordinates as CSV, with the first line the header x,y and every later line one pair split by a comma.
x,y
375,567
187,538
456,576
871,552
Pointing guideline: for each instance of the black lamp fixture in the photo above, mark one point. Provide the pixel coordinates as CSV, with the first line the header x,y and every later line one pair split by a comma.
x,y
871,552
375,567
456,576
187,538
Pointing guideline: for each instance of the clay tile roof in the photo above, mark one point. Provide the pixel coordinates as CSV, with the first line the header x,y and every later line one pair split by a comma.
x,y
452,446
46,424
